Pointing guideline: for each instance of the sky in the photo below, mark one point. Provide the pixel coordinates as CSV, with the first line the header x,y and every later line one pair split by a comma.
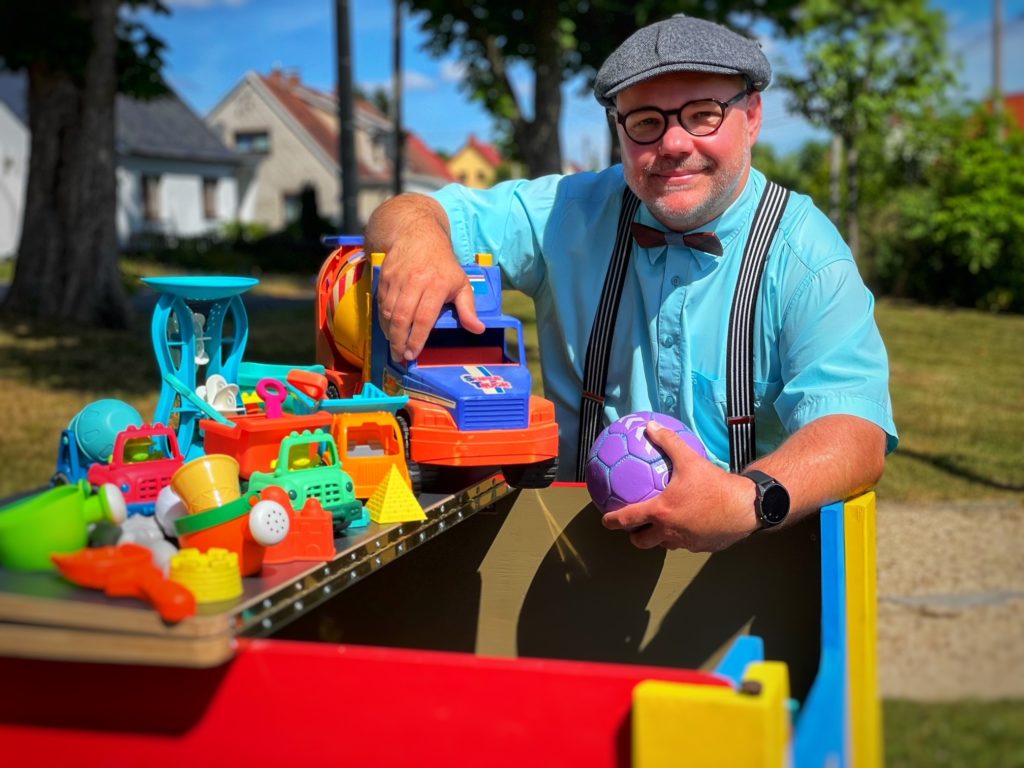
x,y
211,44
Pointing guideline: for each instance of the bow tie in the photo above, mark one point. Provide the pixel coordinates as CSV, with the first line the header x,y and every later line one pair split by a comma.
x,y
649,237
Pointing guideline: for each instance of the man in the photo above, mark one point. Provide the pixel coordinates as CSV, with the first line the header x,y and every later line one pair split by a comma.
x,y
686,95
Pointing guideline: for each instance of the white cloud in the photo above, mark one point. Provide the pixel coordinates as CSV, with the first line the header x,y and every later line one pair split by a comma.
x,y
411,81
417,81
453,71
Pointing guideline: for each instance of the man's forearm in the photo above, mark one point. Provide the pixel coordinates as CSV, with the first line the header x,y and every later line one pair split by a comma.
x,y
407,217
832,458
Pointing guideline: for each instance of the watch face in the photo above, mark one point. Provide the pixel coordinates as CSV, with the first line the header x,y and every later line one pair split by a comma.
x,y
774,504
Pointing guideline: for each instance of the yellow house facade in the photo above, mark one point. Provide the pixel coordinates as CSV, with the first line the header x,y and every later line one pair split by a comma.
x,y
475,164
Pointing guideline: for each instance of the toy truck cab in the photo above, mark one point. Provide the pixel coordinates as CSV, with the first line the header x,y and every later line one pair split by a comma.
x,y
308,467
470,401
141,465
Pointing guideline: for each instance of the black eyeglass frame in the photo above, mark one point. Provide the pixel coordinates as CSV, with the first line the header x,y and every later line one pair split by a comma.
x,y
678,113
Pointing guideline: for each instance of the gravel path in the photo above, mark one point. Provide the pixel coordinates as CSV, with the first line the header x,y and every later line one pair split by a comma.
x,y
951,600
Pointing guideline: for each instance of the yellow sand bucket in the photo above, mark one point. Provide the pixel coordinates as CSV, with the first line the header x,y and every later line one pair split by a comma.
x,y
207,482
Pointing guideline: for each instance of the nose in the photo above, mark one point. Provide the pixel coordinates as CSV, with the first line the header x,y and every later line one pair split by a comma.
x,y
676,141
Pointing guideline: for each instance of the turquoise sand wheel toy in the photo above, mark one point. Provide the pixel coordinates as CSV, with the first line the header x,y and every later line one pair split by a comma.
x,y
188,343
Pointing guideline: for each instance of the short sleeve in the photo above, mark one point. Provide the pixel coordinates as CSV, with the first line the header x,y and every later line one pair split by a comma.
x,y
507,221
834,360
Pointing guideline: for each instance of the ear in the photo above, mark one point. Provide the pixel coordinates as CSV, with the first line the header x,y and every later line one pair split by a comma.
x,y
754,111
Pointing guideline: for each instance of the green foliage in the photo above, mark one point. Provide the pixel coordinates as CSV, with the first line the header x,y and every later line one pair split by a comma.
x,y
957,234
491,39
804,171
54,34
241,249
867,61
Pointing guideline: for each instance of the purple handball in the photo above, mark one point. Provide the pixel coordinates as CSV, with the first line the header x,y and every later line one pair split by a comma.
x,y
625,467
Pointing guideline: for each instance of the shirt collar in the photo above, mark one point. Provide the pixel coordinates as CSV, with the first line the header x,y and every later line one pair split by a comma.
x,y
728,226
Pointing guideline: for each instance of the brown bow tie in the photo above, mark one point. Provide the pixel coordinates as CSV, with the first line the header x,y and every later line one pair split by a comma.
x,y
649,237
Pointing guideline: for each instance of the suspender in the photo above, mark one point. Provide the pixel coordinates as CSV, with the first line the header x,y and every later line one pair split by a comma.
x,y
740,352
739,375
595,370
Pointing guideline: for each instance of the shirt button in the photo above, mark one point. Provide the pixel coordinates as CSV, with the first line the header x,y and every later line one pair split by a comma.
x,y
667,341
670,402
676,280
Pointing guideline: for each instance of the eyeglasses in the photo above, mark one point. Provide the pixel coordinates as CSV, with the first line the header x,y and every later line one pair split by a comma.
x,y
702,117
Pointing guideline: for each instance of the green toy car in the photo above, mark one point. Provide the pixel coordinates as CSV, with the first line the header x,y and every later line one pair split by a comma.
x,y
307,467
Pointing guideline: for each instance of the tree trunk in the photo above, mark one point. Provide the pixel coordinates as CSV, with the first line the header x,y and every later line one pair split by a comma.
x,y
538,138
835,175
67,267
852,199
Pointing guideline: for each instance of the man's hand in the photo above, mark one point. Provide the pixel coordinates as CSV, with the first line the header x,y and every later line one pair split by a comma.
x,y
420,273
703,508
706,509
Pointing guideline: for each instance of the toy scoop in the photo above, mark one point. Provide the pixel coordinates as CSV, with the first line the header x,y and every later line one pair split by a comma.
x,y
127,571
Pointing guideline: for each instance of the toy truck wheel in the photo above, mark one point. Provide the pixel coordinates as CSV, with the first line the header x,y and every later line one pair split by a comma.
x,y
59,478
538,475
268,523
415,468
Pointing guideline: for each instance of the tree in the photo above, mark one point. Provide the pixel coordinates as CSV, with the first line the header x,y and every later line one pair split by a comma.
x,y
557,40
867,65
77,56
951,229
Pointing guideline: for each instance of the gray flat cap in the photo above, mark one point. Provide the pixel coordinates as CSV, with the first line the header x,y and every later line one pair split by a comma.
x,y
681,44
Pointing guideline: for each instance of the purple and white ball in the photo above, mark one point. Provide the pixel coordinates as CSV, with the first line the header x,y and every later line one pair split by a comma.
x,y
624,467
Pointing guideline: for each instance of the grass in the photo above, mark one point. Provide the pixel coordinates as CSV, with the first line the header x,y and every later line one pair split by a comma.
x,y
956,386
970,734
959,403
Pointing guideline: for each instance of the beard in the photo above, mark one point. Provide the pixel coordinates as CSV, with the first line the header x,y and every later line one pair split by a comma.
x,y
687,207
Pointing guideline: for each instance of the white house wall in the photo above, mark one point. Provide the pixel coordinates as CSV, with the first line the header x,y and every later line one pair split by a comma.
x,y
180,205
14,152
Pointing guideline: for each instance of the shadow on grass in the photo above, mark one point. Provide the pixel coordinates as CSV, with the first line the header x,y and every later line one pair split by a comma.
x,y
68,358
944,464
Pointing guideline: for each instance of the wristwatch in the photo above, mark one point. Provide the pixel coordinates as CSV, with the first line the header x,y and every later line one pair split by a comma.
x,y
772,502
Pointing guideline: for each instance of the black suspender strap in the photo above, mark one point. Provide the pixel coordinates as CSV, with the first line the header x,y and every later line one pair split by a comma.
x,y
740,361
595,369
740,348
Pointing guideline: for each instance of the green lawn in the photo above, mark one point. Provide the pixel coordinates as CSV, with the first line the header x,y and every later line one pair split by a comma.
x,y
957,390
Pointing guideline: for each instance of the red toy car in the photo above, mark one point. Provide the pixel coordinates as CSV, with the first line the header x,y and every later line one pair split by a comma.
x,y
141,465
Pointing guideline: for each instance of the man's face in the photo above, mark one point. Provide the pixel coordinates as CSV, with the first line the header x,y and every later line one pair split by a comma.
x,y
685,180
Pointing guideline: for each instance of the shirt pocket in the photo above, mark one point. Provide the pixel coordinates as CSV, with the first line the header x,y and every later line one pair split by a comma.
x,y
709,407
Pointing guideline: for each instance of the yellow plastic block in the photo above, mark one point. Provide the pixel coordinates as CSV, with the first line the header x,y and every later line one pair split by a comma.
x,y
862,631
211,576
393,502
485,259
703,726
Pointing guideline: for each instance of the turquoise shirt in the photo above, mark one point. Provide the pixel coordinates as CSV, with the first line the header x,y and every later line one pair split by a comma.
x,y
817,350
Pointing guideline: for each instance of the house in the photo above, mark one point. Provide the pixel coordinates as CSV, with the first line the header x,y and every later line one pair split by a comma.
x,y
174,177
287,132
14,147
1013,103
475,164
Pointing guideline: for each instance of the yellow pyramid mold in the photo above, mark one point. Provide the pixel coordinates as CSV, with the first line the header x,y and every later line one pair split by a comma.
x,y
393,502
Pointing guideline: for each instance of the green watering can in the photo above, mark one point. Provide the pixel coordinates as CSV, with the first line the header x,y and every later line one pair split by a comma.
x,y
54,521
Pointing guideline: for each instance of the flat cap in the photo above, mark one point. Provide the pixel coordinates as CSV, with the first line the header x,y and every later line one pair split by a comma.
x,y
681,44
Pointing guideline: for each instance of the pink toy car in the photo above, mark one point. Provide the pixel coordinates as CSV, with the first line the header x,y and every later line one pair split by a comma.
x,y
141,465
